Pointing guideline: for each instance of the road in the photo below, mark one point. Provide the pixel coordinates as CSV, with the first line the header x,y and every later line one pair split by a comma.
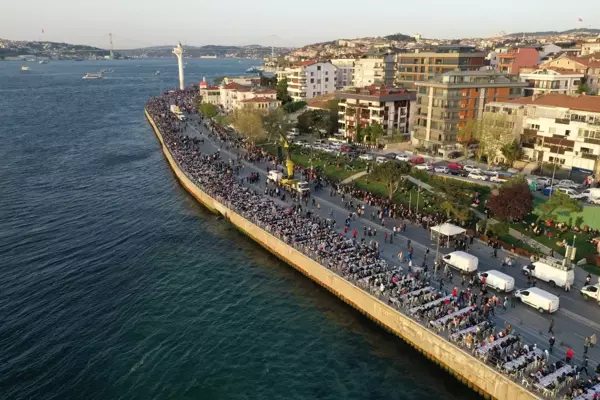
x,y
575,319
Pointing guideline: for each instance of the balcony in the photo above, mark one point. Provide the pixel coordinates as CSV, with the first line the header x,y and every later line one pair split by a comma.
x,y
589,156
528,145
564,121
530,132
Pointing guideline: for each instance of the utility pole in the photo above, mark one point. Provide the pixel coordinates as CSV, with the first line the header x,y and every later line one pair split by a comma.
x,y
110,48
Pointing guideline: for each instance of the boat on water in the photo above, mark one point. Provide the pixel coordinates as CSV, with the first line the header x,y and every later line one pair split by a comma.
x,y
254,69
89,75
44,61
25,68
157,73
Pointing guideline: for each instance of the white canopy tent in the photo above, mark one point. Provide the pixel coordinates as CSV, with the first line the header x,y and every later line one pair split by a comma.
x,y
446,233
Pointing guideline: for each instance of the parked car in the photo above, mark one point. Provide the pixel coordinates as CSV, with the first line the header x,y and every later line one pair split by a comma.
x,y
500,177
478,176
417,160
544,181
572,193
454,154
568,184
402,157
592,195
366,157
391,156
471,168
442,170
381,160
426,167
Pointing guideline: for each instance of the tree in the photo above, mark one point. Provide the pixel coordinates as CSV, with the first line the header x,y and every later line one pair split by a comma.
x,y
454,203
317,122
276,124
250,124
282,88
207,109
493,132
512,152
375,132
513,200
466,134
558,202
293,106
390,173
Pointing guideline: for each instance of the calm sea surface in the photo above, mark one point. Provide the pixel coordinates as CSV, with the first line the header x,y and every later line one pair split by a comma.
x,y
115,284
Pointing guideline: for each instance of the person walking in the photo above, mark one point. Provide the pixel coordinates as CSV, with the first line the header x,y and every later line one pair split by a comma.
x,y
551,327
408,243
569,355
584,365
593,340
505,305
551,342
586,344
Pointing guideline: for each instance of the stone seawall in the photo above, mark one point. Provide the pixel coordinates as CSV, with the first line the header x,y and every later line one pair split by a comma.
x,y
473,372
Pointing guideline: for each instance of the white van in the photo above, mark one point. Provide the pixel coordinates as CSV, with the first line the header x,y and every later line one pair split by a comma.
x,y
274,176
538,299
591,292
464,262
592,195
552,272
498,280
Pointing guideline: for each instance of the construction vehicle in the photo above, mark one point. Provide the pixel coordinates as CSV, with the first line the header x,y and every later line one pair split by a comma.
x,y
289,182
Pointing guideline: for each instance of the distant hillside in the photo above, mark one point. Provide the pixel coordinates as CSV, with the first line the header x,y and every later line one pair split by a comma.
x,y
251,51
58,50
400,37
591,31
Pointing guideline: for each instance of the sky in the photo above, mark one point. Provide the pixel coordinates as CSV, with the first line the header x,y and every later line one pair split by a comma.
x,y
141,23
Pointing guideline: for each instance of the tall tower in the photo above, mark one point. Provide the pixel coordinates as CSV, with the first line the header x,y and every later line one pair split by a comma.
x,y
178,51
112,55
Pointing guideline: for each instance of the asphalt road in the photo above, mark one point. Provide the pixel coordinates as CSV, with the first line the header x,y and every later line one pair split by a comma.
x,y
575,319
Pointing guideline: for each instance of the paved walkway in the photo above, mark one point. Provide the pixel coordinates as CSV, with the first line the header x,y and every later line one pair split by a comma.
x,y
354,177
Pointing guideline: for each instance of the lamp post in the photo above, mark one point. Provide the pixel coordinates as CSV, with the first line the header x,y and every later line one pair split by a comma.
x,y
437,257
554,170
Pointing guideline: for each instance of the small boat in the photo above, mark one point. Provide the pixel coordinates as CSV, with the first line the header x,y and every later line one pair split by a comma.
x,y
25,68
93,76
157,73
44,61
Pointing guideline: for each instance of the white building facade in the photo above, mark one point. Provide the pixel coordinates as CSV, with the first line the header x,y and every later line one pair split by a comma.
x,y
551,80
374,71
345,71
311,79
557,129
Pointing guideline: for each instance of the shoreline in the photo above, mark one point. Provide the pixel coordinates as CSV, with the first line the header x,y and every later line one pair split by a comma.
x,y
465,367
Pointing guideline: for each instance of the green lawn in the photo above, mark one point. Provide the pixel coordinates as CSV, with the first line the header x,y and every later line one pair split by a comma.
x,y
402,196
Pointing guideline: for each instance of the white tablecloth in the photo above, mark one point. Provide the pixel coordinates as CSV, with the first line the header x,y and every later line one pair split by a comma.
x,y
415,310
549,379
484,349
466,331
511,365
448,317
425,290
589,394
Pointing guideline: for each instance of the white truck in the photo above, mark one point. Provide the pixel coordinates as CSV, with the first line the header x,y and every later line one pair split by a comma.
x,y
551,271
462,261
591,292
274,176
498,280
538,299
175,110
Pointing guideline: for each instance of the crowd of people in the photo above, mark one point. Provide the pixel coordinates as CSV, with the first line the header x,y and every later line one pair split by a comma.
x,y
458,311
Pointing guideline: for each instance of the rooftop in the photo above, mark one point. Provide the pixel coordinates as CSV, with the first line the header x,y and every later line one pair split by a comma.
x,y
321,102
259,100
375,92
581,102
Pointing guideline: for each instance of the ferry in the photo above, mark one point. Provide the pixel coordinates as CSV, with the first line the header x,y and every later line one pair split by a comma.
x,y
93,76
254,69
25,68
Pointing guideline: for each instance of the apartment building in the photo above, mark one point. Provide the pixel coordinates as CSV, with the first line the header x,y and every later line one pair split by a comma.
x,y
309,79
445,103
551,80
516,58
233,96
422,65
345,71
374,70
590,47
390,107
557,129
589,66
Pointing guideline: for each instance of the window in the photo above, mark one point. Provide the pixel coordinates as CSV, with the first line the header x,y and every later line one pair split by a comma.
x,y
535,126
312,74
312,80
318,67
326,79
567,132
326,72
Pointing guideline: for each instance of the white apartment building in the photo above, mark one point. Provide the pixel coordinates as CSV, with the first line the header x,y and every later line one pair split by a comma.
x,y
551,80
345,71
378,70
309,79
557,129
233,96
590,47
390,107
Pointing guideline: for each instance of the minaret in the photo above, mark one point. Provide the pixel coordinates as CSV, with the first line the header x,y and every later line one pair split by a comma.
x,y
178,51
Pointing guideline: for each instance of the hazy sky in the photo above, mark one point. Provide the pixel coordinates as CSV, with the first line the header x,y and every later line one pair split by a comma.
x,y
138,23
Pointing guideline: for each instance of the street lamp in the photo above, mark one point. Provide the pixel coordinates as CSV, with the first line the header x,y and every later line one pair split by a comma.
x,y
437,256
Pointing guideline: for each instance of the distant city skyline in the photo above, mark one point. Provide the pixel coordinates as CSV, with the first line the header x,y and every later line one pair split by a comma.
x,y
138,23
